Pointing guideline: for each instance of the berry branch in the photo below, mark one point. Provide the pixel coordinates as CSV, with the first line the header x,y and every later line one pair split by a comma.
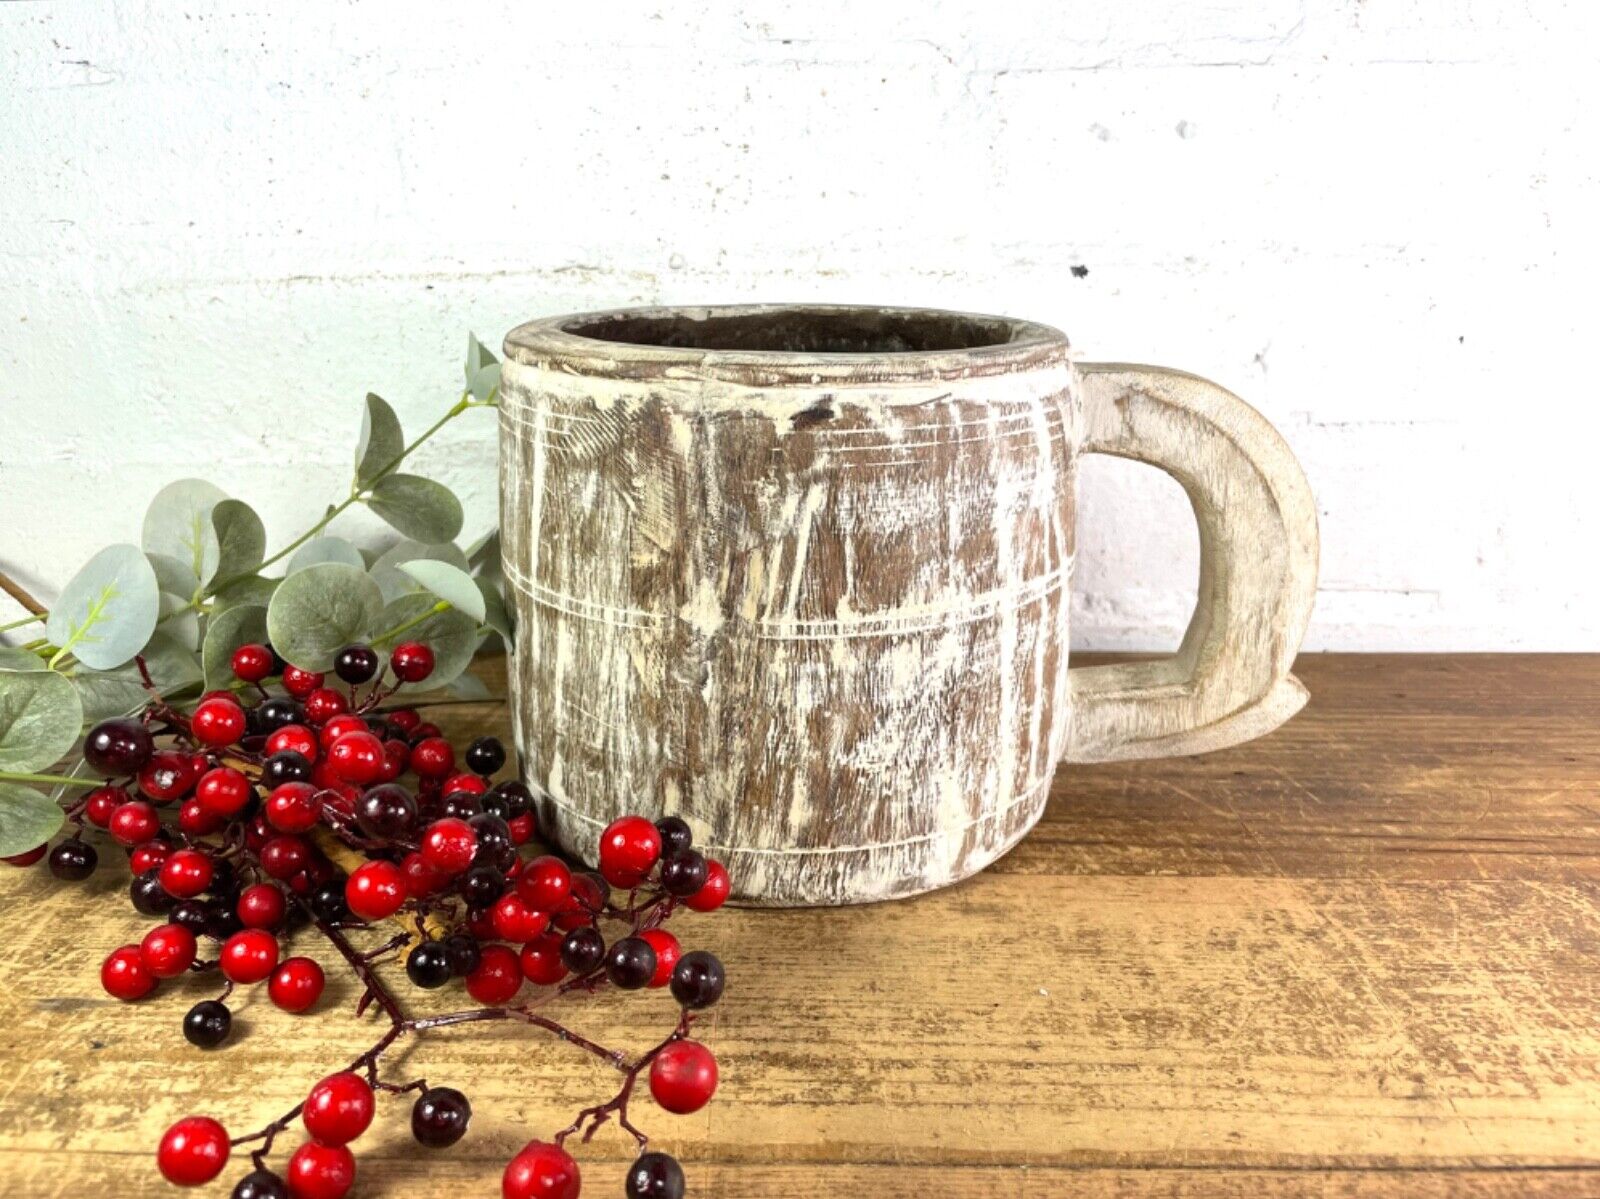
x,y
291,818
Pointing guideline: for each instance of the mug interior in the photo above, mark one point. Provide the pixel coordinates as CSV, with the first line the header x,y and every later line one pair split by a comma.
x,y
801,330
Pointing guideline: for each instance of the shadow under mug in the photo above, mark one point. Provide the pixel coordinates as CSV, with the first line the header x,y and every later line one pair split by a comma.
x,y
800,575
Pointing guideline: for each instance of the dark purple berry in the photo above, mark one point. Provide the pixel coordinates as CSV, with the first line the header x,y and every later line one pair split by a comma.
x,y
697,980
485,756
356,664
428,965
683,874
117,747
73,861
207,1023
654,1176
439,1117
631,963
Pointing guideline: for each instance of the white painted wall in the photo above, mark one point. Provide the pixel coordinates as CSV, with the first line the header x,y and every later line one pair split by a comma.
x,y
220,224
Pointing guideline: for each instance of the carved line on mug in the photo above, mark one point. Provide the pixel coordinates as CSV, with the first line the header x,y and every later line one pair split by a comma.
x,y
996,430
1028,794
918,618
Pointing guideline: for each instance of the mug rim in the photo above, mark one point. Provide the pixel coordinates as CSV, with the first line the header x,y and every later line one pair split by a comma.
x,y
565,341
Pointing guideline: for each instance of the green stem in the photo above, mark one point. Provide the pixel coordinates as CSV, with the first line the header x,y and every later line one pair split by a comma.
x,y
357,494
441,606
26,620
57,780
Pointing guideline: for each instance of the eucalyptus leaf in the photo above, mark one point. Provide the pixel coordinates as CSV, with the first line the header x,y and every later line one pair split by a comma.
x,y
253,589
318,611
12,658
109,609
449,583
451,635
419,508
173,577
173,668
382,441
394,582
486,552
325,549
40,718
496,615
469,686
241,540
237,626
484,383
178,524
479,357
27,819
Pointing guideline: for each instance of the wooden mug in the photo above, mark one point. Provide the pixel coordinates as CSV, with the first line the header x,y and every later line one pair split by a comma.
x,y
799,575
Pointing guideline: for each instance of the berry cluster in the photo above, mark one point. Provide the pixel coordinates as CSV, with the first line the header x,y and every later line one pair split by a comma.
x,y
259,816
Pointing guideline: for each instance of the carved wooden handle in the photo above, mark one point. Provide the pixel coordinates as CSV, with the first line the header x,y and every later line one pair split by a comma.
x,y
1230,680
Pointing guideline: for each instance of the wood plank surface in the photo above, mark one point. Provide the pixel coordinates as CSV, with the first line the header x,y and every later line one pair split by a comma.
x,y
1357,958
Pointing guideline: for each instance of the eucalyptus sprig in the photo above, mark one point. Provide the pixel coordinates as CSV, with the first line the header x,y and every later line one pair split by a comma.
x,y
168,613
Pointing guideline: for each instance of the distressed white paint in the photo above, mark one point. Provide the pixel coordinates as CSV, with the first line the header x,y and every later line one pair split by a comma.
x,y
1375,219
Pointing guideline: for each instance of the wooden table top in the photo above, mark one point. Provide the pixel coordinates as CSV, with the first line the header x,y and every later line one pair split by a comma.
x,y
1359,957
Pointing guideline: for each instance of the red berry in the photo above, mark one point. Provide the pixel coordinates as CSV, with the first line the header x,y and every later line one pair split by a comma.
x,y
223,791
338,1109
134,822
293,807
713,893
300,683
248,956
497,978
284,857
167,776
252,663
411,661
125,976
27,857
421,878
149,855
541,960
186,873
425,730
193,1151
629,847
323,704
522,828
338,726
167,950
540,1171
262,906
357,758
405,719
217,722
396,757
588,899
295,737
296,984
448,845
480,923
683,1077
463,782
432,758
101,803
376,890
668,951
514,920
196,821
319,1171
545,883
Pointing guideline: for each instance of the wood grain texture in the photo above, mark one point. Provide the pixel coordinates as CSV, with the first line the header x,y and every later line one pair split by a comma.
x,y
800,576
1353,959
